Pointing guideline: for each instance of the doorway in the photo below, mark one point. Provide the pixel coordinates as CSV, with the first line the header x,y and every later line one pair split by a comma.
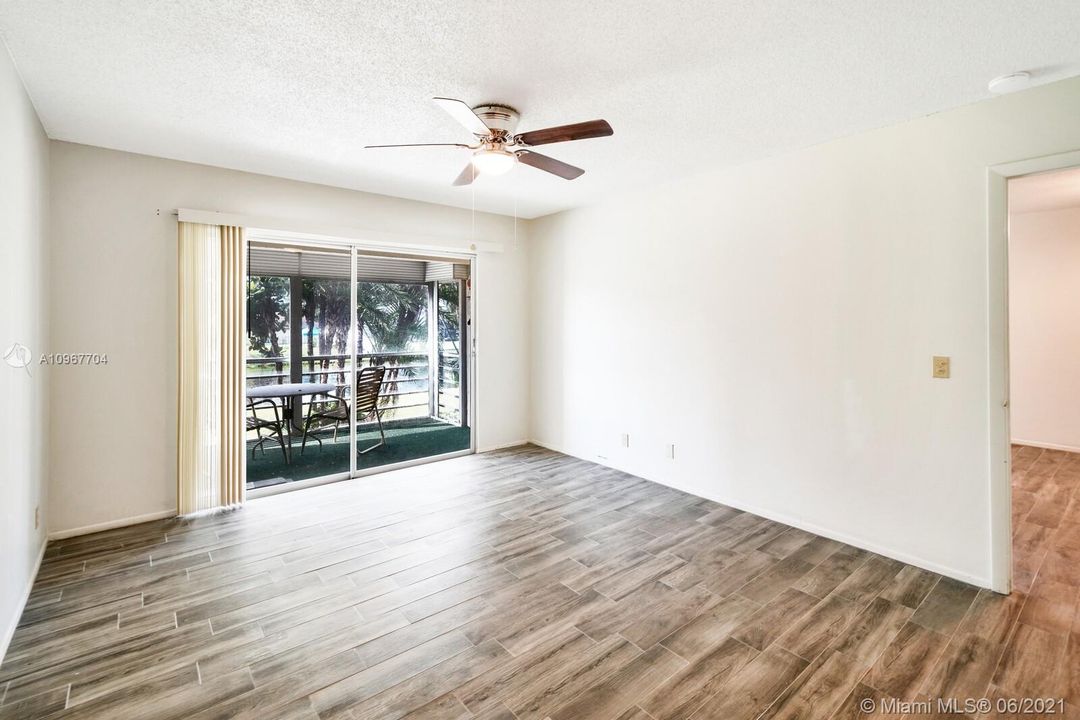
x,y
357,361
1044,369
1021,525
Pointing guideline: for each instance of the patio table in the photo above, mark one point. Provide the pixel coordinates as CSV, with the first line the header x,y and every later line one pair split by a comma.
x,y
287,392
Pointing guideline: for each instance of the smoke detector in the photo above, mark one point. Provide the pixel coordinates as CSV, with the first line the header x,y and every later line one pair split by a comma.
x,y
1010,83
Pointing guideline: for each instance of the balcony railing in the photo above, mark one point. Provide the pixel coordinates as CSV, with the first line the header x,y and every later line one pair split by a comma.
x,y
407,383
449,396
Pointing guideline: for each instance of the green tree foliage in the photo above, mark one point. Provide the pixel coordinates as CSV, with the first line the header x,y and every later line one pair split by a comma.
x,y
449,345
449,315
268,314
391,318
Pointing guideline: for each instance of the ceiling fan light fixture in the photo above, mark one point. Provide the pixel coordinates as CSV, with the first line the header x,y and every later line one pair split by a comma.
x,y
490,161
493,126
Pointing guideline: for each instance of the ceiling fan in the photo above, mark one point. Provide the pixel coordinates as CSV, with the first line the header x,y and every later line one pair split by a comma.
x,y
497,149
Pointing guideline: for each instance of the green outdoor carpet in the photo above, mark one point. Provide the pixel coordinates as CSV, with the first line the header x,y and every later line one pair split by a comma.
x,y
405,440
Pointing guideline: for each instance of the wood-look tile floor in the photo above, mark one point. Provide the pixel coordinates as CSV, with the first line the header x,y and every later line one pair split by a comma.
x,y
526,584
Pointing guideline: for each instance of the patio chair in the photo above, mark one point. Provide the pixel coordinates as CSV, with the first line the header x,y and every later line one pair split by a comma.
x,y
258,424
335,407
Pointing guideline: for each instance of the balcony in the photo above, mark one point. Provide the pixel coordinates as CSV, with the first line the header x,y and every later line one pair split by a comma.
x,y
309,308
420,419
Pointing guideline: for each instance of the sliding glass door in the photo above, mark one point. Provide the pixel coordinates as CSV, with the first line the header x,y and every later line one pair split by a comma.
x,y
321,417
268,366
356,361
399,329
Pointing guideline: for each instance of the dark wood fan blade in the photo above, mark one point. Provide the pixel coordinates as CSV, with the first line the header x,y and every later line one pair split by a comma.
x,y
460,145
464,115
564,133
549,164
467,175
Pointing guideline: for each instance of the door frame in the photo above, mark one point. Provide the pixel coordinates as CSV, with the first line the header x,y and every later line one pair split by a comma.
x,y
1000,439
356,248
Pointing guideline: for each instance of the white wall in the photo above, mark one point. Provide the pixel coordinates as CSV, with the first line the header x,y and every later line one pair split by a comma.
x,y
796,302
1044,328
114,263
24,160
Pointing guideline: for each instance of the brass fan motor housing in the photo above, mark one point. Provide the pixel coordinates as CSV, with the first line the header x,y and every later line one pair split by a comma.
x,y
502,119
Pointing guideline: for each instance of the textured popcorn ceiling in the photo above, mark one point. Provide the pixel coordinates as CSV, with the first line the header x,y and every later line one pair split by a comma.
x,y
295,88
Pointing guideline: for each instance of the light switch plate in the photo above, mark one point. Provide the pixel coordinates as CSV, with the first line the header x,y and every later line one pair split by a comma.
x,y
941,366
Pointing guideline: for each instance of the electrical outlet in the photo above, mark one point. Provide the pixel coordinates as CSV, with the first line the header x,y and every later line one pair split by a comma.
x,y
941,366
37,516
626,440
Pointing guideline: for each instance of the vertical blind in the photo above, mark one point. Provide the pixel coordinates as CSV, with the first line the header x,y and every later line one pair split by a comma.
x,y
210,363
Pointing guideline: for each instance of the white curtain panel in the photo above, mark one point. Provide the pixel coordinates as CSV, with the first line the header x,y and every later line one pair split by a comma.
x,y
210,399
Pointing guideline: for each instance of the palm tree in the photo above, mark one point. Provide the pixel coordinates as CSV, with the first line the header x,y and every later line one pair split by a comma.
x,y
325,311
390,318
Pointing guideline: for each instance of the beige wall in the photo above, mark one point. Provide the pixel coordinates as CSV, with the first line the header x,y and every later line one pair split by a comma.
x,y
114,267
776,321
24,166
1044,328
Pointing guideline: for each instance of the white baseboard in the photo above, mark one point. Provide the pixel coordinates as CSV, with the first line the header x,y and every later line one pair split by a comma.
x,y
9,632
111,524
503,446
555,448
982,582
978,581
1046,446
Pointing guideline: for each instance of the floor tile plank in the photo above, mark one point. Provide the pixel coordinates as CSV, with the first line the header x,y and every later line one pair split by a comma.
x,y
523,584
